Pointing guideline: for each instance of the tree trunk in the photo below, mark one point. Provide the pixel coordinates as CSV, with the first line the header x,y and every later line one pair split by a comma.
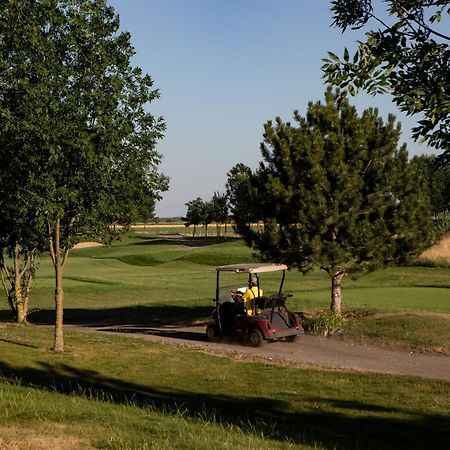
x,y
336,293
8,285
28,281
20,316
58,262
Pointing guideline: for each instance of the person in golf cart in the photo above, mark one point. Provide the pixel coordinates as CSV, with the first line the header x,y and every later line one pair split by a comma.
x,y
253,292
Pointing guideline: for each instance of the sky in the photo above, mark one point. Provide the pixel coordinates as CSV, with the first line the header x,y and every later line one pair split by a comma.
x,y
223,69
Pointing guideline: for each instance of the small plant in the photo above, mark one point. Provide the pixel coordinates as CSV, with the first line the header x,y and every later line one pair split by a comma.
x,y
325,323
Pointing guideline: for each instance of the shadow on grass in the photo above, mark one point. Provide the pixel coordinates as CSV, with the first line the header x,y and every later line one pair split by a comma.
x,y
129,315
329,424
167,332
178,239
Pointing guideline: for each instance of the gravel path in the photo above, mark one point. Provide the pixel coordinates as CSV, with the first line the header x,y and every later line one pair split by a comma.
x,y
314,351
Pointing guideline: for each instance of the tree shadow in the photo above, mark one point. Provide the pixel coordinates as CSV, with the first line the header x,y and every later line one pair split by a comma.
x,y
178,239
129,315
172,332
331,427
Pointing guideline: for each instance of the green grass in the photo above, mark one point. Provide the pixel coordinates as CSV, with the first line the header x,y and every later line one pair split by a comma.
x,y
144,279
423,332
120,393
161,396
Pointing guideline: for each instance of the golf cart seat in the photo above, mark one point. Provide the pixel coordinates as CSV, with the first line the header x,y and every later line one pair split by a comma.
x,y
228,312
260,303
274,301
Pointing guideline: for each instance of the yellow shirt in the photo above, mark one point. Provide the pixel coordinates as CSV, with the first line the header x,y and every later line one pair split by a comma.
x,y
248,296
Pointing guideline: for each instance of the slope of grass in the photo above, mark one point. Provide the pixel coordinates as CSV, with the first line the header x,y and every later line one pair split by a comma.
x,y
120,393
423,332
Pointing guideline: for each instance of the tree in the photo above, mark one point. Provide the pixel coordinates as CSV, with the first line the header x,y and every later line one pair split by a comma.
x,y
437,180
22,235
407,56
237,193
219,211
334,191
75,109
21,239
194,213
199,212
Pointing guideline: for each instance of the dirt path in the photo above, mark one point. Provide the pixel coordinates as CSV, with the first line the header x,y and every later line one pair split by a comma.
x,y
314,351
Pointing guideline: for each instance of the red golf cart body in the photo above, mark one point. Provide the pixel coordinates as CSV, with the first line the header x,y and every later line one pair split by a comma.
x,y
269,320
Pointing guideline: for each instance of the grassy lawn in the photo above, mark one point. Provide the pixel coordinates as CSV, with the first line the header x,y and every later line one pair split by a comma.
x,y
120,393
143,270
144,279
162,396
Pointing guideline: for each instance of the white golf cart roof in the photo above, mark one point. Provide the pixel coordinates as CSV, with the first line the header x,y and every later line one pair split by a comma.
x,y
252,268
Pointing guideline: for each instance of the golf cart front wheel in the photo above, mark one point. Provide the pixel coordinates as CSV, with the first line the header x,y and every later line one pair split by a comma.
x,y
255,338
292,338
212,333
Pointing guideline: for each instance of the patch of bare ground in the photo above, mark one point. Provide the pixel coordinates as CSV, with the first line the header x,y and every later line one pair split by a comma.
x,y
88,244
439,251
27,438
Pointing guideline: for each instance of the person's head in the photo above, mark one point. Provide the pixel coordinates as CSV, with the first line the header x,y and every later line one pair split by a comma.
x,y
253,281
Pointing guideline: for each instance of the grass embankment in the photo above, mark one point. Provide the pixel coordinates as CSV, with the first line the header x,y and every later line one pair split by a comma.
x,y
120,393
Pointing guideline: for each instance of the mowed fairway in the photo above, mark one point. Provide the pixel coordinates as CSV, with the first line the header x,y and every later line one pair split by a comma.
x,y
145,271
122,393
145,279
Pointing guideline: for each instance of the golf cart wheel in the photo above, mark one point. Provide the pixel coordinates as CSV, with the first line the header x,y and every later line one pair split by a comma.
x,y
212,333
292,338
255,338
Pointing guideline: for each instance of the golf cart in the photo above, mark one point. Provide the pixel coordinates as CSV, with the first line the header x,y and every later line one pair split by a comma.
x,y
268,320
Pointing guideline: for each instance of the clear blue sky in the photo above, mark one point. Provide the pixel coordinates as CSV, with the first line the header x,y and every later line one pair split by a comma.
x,y
225,67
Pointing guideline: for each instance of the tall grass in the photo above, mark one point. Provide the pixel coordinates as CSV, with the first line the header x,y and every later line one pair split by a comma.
x,y
437,255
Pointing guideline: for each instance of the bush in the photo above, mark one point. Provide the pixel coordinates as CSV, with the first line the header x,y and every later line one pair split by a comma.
x,y
325,323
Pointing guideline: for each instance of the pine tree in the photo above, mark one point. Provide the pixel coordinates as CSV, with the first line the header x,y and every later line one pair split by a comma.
x,y
336,192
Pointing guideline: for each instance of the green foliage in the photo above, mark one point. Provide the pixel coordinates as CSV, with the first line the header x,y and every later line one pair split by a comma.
x,y
200,212
74,116
325,323
406,55
75,124
219,208
437,183
237,193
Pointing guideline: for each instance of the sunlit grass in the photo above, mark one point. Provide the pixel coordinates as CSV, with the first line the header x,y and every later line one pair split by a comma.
x,y
145,279
116,392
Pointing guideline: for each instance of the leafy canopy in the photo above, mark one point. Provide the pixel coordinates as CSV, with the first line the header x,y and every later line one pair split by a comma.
x,y
75,115
407,54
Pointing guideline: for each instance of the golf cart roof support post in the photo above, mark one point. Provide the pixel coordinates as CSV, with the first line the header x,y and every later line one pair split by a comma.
x,y
282,282
217,301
